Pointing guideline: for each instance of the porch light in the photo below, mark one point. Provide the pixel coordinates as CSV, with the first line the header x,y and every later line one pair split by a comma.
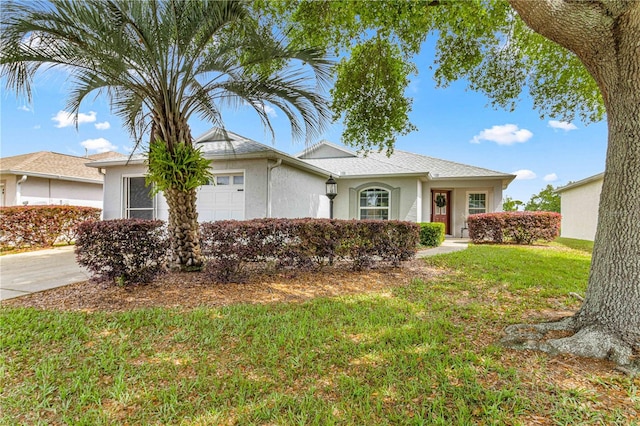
x,y
331,192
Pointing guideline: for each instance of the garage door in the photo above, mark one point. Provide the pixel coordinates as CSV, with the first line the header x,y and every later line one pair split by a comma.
x,y
224,200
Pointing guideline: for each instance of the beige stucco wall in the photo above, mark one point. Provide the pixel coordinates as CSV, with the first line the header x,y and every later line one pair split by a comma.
x,y
42,191
579,207
407,208
296,193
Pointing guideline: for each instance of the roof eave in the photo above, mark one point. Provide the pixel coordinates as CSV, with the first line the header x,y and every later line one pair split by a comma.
x,y
582,182
51,176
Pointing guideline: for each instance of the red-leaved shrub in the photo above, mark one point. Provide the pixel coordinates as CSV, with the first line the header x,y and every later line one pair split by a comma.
x,y
122,251
516,227
42,226
304,243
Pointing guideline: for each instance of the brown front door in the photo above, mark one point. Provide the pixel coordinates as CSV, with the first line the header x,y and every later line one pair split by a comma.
x,y
441,208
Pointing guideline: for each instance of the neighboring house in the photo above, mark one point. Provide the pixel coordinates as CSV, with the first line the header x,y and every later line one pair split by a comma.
x,y
253,180
579,203
43,178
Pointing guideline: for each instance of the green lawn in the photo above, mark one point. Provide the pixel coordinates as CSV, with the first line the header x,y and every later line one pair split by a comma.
x,y
422,354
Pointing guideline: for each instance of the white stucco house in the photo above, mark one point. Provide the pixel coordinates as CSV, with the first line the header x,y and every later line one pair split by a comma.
x,y
253,180
45,178
579,203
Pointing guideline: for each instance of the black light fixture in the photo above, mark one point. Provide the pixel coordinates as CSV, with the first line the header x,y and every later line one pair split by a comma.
x,y
332,190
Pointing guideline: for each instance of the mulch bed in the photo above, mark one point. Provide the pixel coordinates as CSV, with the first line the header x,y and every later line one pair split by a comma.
x,y
189,290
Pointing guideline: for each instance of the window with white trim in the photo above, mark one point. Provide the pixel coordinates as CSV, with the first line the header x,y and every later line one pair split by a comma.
x,y
477,202
138,201
374,203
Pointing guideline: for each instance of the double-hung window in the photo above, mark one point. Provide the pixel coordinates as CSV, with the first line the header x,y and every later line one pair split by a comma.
x,y
374,204
138,202
477,203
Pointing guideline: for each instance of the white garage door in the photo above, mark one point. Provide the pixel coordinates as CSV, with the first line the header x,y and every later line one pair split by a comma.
x,y
224,200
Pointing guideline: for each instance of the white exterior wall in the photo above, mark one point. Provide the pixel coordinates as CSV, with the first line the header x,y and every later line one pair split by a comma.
x,y
579,207
407,208
459,190
41,191
113,192
9,182
296,193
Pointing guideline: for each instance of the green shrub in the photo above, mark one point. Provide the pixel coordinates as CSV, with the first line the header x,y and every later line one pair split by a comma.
x,y
431,234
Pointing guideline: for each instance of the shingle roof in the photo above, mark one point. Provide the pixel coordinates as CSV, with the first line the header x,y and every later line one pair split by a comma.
x,y
217,142
402,162
61,166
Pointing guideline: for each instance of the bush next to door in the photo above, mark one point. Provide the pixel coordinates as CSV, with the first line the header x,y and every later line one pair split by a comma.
x,y
431,233
122,251
304,243
41,226
515,227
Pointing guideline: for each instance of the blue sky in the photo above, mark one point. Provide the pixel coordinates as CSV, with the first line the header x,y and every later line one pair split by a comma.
x,y
453,124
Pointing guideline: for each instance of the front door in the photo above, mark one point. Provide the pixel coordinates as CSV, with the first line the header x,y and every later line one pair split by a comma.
x,y
441,208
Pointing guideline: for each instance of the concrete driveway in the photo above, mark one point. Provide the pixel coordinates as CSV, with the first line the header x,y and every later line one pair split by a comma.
x,y
26,273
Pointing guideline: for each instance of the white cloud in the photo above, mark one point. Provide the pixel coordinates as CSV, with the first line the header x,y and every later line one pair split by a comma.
x,y
65,119
102,126
37,126
506,134
563,125
25,108
98,145
269,110
524,174
551,177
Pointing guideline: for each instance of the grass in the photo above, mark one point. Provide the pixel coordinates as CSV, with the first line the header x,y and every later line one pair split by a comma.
x,y
422,354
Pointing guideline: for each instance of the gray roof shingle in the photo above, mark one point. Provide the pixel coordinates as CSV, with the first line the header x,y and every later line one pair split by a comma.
x,y
402,162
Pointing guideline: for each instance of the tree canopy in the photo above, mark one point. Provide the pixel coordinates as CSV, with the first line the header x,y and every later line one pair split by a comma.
x,y
547,200
483,42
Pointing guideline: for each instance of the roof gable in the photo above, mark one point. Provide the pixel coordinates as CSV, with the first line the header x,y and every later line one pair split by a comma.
x,y
325,149
51,164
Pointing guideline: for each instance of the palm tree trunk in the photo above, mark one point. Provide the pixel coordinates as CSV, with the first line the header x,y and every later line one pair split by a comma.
x,y
184,251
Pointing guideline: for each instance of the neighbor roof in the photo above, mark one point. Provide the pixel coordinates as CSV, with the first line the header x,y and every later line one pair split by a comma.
x,y
581,182
403,163
53,165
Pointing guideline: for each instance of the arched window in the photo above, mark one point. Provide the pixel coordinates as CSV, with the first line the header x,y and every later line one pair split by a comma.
x,y
374,203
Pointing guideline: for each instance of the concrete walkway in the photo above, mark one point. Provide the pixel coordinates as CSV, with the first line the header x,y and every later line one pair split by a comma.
x,y
448,246
26,273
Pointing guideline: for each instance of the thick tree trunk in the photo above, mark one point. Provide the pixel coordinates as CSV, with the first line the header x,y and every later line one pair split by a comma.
x,y
183,230
606,37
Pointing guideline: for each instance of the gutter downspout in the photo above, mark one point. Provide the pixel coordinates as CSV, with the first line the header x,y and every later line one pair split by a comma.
x,y
270,167
19,190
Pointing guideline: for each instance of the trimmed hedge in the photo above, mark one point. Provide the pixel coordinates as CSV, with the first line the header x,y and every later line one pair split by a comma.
x,y
516,227
122,251
304,243
431,233
42,226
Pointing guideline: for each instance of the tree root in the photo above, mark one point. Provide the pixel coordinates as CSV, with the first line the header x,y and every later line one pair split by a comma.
x,y
590,341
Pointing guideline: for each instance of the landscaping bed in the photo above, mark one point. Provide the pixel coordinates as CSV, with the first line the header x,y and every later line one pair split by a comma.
x,y
410,345
192,289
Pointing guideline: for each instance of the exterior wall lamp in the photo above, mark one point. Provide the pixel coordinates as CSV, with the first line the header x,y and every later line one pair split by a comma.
x,y
331,192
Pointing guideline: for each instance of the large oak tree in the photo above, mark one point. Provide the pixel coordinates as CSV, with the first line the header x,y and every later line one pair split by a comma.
x,y
576,58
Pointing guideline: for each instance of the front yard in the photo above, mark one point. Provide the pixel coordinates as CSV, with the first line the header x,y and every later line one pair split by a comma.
x,y
402,346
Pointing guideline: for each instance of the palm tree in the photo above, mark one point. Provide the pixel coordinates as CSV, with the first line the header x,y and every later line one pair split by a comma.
x,y
160,62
